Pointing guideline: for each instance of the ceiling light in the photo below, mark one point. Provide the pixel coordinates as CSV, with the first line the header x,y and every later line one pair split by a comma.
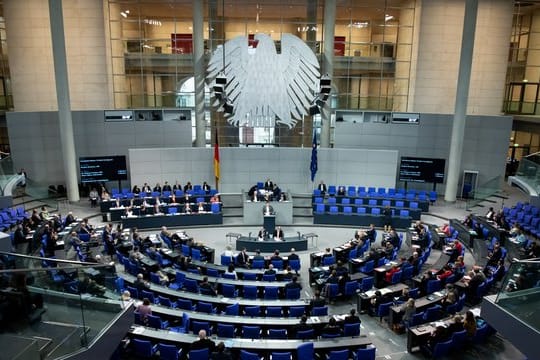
x,y
388,17
124,13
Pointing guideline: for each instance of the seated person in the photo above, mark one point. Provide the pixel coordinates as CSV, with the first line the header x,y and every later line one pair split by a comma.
x,y
439,335
317,300
206,187
293,255
278,234
231,272
200,208
242,259
261,235
456,250
203,342
495,256
302,325
157,188
332,327
187,208
388,276
371,233
490,214
322,188
341,191
207,288
445,272
293,284
276,193
276,256
270,270
352,318
377,300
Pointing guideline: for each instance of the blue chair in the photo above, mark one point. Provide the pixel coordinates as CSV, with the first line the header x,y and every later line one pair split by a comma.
x,y
178,281
332,201
384,310
251,332
376,211
250,276
338,355
185,304
233,309
133,291
305,351
305,334
169,352
367,283
277,334
201,354
205,307
333,210
229,290
319,311
274,311
433,313
149,295
269,277
165,301
250,292
143,348
196,255
225,260
186,250
271,292
295,265
365,354
347,210
458,339
368,267
440,349
318,200
319,209
351,329
119,285
155,321
328,260
225,330
432,286
332,291
172,210
246,355
414,293
297,311
404,213
215,208
197,326
292,294
281,356
361,210
191,285
253,311
154,277
212,272
416,319
258,264
372,202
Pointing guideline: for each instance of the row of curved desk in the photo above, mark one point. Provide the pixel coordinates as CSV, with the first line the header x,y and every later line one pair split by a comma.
x,y
176,220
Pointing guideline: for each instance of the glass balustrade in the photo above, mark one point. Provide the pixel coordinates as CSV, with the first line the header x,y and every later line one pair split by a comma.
x,y
520,292
51,307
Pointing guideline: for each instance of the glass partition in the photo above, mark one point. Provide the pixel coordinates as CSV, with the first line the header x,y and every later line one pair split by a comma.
x,y
53,306
484,191
520,291
529,171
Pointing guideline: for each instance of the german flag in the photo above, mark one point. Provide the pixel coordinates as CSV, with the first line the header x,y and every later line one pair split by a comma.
x,y
216,159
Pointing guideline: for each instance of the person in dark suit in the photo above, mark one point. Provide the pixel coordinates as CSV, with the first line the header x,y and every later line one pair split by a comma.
x,y
268,185
341,191
206,188
322,187
276,193
258,255
293,284
203,342
317,300
157,188
221,353
188,186
302,325
293,255
352,318
166,186
242,259
278,233
270,270
371,233
268,209
332,327
261,235
276,256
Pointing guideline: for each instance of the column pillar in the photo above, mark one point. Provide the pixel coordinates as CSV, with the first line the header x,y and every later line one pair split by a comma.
x,y
199,72
462,94
328,66
65,121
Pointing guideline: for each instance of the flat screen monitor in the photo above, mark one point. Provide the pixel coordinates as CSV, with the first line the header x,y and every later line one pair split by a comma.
x,y
425,170
103,168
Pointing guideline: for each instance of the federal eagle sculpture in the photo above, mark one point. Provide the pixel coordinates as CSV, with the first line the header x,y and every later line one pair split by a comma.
x,y
262,85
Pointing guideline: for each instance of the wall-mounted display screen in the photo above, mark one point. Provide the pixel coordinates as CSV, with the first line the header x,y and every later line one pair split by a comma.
x,y
425,170
103,168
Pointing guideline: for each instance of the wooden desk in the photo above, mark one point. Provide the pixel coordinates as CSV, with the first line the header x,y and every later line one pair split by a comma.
x,y
421,304
364,298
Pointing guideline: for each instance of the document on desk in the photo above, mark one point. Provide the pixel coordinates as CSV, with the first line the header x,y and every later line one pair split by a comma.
x,y
315,319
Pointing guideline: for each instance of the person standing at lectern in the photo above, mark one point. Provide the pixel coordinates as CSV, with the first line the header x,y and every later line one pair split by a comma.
x,y
268,209
278,234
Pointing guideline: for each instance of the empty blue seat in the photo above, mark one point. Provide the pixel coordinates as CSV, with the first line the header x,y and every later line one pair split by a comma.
x,y
361,210
333,210
347,210
376,211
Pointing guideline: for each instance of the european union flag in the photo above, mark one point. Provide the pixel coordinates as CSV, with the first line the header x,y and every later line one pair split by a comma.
x,y
313,165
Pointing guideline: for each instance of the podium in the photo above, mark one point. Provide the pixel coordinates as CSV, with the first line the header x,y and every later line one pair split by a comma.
x,y
269,223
